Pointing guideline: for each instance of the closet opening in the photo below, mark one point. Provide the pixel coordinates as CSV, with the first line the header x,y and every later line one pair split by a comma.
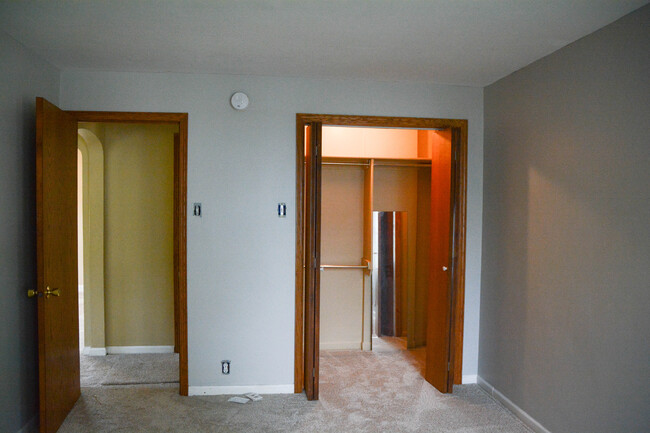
x,y
380,242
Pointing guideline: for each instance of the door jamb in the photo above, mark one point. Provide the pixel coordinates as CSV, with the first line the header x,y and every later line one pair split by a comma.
x,y
180,182
457,262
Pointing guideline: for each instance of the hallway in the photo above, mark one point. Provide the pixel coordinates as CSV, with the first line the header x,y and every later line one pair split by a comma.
x,y
123,370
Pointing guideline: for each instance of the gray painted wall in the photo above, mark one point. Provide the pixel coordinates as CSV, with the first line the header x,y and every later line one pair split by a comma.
x,y
241,164
565,298
22,78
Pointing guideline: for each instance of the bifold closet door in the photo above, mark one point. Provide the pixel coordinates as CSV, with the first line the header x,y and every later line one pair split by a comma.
x,y
312,210
440,297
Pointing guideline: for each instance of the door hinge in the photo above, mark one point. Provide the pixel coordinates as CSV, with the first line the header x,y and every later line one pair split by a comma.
x,y
448,366
313,373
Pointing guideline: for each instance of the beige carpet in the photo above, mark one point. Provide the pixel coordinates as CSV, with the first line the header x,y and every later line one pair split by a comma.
x,y
360,392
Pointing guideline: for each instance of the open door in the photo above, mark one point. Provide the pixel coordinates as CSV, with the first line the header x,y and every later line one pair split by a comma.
x,y
311,257
439,364
56,255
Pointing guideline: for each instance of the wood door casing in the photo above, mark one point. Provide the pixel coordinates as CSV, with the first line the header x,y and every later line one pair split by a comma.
x,y
176,267
56,257
459,126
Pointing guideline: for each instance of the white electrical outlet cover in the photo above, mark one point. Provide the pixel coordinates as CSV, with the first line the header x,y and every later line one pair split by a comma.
x,y
240,400
253,396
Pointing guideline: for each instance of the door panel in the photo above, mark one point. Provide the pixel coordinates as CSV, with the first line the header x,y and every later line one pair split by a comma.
x,y
56,222
312,206
439,296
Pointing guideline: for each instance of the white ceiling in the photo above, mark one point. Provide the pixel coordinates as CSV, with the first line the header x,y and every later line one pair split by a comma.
x,y
465,42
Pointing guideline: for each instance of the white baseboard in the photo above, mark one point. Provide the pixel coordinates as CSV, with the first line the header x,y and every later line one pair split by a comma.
x,y
230,390
341,345
31,426
94,351
530,422
469,378
129,350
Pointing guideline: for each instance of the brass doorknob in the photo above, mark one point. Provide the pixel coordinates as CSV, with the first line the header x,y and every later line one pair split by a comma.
x,y
55,292
48,292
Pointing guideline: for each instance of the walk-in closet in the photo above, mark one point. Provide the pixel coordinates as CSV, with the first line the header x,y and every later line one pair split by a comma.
x,y
375,237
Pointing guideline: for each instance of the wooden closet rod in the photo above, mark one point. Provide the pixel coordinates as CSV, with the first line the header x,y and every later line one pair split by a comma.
x,y
358,164
402,164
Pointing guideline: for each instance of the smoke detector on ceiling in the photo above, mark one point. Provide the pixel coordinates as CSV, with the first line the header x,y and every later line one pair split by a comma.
x,y
239,101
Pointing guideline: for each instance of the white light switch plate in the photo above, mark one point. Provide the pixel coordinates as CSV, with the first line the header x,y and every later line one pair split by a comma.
x,y
240,400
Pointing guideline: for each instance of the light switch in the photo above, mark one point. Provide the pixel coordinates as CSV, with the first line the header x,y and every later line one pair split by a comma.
x,y
196,210
282,210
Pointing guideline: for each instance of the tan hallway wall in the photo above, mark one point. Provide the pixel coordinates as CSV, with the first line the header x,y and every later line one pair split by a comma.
x,y
91,223
138,248
80,230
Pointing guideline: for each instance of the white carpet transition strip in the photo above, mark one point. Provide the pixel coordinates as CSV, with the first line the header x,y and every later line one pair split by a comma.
x,y
231,390
530,422
129,350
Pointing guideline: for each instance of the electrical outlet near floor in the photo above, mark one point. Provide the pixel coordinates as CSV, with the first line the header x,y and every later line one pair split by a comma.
x,y
225,367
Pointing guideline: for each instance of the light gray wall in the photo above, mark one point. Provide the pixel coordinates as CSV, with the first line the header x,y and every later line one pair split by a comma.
x,y
241,164
565,298
22,78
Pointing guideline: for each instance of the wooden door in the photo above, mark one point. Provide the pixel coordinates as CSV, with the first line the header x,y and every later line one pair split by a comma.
x,y
312,206
439,308
56,254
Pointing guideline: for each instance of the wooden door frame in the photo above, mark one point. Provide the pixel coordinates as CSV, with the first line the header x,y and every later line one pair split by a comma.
x,y
459,195
180,214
